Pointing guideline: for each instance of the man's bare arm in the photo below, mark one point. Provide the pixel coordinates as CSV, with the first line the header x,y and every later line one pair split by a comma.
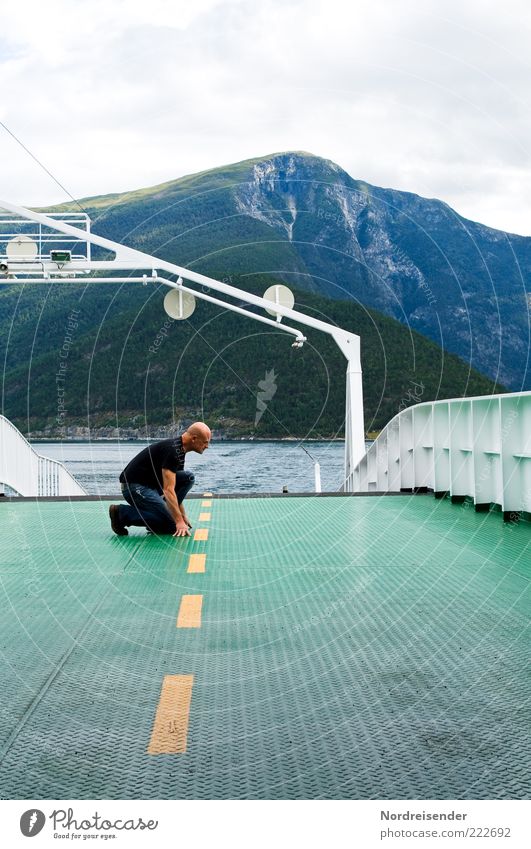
x,y
168,485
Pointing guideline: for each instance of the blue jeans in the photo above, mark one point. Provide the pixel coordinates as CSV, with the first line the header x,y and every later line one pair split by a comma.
x,y
146,508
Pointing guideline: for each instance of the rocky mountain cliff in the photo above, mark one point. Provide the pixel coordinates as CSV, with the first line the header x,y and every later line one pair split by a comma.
x,y
462,284
305,220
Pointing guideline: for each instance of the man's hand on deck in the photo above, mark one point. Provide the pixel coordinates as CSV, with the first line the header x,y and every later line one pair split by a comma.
x,y
181,529
181,523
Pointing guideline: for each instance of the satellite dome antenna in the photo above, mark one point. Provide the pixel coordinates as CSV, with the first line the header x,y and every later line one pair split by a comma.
x,y
178,304
22,249
281,295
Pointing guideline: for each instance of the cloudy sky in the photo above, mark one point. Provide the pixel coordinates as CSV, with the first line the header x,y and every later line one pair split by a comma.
x,y
422,95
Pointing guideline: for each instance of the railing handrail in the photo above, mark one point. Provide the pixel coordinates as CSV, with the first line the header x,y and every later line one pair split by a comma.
x,y
477,447
36,483
454,401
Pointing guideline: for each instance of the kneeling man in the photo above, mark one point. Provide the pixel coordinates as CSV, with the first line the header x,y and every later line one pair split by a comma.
x,y
154,484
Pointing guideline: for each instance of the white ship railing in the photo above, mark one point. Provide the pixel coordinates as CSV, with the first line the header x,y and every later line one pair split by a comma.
x,y
28,473
477,447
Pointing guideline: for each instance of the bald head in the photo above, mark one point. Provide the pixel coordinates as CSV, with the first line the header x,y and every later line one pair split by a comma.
x,y
197,437
199,429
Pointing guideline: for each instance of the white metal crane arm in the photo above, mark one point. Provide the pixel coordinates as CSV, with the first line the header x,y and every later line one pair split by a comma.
x,y
131,258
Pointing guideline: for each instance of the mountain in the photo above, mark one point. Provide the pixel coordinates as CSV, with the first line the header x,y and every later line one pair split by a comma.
x,y
306,221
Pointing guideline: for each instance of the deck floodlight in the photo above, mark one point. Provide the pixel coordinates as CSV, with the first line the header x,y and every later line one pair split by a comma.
x,y
281,295
179,304
21,248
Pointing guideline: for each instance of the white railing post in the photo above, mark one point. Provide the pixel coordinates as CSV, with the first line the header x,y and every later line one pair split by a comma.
x,y
317,469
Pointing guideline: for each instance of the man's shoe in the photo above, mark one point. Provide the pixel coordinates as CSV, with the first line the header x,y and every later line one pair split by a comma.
x,y
116,525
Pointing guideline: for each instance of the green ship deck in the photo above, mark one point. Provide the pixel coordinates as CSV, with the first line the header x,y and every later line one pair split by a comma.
x,y
346,647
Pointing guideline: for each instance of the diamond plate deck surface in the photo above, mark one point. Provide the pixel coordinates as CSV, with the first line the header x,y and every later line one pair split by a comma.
x,y
348,648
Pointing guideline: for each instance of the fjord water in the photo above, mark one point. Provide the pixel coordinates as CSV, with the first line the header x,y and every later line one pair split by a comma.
x,y
225,467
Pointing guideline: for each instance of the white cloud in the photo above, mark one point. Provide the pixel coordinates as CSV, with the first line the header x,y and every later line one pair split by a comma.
x,y
419,96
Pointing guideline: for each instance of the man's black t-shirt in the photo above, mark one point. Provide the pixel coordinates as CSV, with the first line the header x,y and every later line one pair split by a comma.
x,y
146,468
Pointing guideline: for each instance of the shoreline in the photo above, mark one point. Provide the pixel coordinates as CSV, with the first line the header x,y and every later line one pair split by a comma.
x,y
108,439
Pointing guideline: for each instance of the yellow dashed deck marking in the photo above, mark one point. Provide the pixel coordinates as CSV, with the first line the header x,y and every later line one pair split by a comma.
x,y
201,535
206,504
170,727
204,517
190,611
196,563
